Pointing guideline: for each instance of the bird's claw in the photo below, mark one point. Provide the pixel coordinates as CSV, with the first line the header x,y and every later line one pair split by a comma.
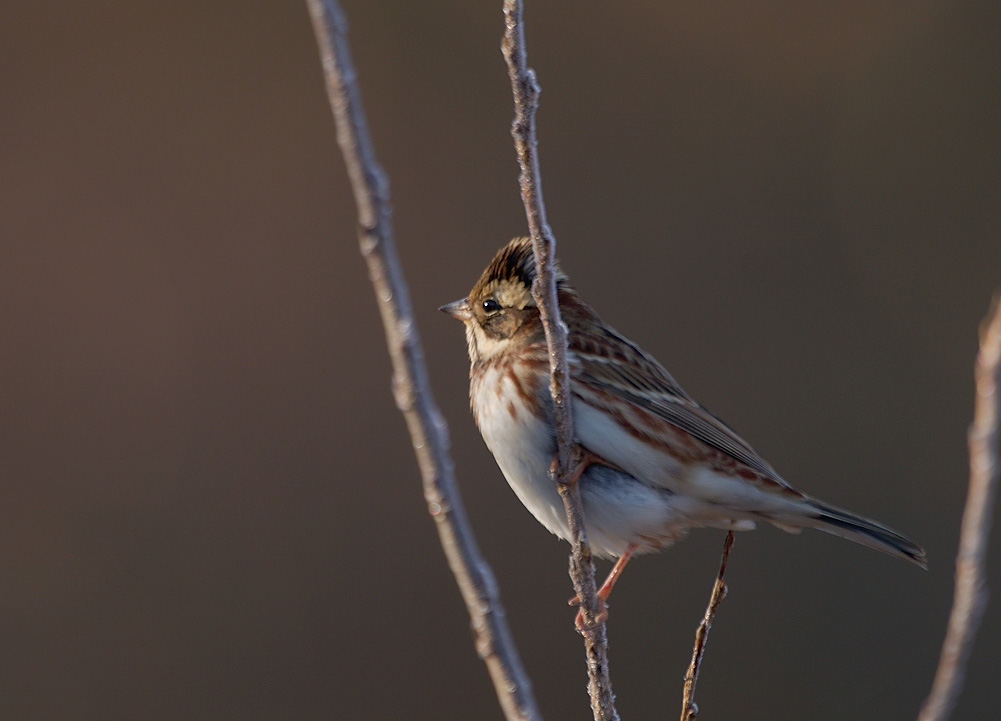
x,y
582,459
600,617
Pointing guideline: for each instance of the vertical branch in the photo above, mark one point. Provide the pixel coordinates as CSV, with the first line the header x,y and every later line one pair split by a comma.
x,y
428,431
526,90
970,597
688,707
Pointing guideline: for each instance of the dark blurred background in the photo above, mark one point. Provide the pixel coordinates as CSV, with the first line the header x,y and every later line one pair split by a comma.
x,y
210,506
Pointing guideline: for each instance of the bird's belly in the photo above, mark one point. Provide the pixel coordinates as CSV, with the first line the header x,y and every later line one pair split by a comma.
x,y
618,509
523,446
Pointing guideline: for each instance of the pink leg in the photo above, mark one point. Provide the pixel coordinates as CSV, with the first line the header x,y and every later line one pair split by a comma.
x,y
606,588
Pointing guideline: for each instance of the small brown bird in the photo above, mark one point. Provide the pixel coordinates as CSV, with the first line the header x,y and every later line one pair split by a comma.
x,y
659,463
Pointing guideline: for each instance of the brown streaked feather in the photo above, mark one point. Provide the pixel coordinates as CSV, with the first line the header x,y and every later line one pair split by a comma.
x,y
641,425
607,361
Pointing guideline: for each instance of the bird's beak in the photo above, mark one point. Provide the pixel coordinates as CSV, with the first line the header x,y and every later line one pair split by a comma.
x,y
458,310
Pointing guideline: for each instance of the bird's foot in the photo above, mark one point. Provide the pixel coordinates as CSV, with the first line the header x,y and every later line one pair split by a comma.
x,y
600,617
583,459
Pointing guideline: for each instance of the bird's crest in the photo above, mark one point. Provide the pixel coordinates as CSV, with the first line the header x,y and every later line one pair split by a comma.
x,y
514,265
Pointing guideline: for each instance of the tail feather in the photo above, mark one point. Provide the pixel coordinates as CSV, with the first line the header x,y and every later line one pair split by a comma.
x,y
868,533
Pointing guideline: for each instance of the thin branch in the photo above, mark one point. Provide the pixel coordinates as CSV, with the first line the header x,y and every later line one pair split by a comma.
x,y
428,430
688,706
970,597
525,89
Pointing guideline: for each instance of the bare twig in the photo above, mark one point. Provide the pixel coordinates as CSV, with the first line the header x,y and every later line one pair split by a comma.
x,y
970,597
526,101
428,431
688,707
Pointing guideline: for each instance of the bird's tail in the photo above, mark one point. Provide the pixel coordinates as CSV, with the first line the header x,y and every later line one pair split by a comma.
x,y
862,530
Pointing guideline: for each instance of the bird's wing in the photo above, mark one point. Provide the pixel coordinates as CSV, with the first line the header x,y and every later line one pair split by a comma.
x,y
613,364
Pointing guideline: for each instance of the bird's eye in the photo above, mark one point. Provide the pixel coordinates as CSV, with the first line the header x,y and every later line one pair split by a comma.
x,y
490,305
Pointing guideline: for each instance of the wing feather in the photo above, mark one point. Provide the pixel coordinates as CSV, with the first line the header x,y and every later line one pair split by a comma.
x,y
614,364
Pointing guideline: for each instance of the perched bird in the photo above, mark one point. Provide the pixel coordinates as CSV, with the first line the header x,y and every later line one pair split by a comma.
x,y
655,462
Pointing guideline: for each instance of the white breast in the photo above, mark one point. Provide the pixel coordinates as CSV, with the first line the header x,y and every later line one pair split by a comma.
x,y
618,509
523,445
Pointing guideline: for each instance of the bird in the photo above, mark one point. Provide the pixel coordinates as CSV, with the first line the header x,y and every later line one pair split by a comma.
x,y
654,462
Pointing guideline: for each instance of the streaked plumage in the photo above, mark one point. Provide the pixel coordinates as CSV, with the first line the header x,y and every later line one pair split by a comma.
x,y
668,463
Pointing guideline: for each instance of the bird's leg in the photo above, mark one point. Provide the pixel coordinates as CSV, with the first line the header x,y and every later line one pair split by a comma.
x,y
606,588
583,459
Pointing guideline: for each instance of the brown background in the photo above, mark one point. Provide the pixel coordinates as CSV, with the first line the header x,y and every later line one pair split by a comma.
x,y
210,509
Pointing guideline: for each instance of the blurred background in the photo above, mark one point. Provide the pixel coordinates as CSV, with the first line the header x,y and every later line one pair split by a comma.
x,y
210,506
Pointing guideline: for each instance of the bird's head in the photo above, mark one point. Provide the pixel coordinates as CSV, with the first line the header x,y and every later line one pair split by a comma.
x,y
500,313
